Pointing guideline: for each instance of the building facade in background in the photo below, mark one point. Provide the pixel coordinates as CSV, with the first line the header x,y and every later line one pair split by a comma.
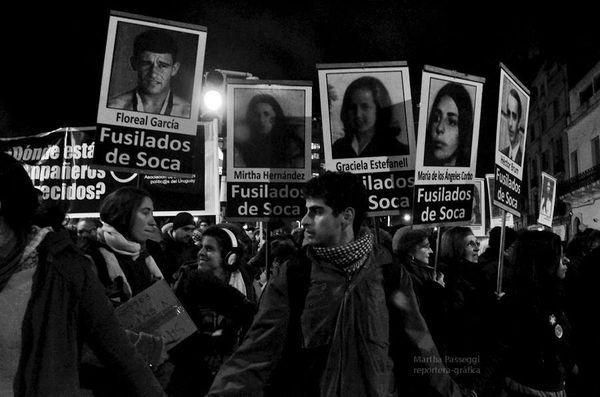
x,y
546,140
581,189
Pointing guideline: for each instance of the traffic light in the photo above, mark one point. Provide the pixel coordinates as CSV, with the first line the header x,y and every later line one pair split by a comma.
x,y
213,94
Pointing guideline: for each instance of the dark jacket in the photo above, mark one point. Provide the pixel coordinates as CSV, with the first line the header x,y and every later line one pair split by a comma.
x,y
468,337
380,145
348,335
67,307
174,255
429,293
537,338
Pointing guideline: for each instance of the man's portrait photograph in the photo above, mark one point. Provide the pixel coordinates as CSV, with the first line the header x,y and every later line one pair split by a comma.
x,y
513,109
152,70
365,112
270,126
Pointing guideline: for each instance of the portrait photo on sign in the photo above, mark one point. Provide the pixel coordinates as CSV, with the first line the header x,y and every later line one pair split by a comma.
x,y
547,197
269,127
478,214
153,70
450,124
367,112
511,129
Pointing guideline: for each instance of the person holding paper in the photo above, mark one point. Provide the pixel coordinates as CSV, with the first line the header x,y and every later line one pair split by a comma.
x,y
368,123
51,303
450,128
514,111
154,60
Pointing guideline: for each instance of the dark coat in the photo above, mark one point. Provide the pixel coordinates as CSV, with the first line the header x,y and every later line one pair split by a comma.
x,y
380,145
349,335
67,307
174,255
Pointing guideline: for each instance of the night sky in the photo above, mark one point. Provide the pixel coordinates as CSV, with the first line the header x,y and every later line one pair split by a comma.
x,y
52,59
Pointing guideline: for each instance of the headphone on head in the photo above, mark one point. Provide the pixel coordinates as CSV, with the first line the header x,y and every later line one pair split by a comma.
x,y
230,260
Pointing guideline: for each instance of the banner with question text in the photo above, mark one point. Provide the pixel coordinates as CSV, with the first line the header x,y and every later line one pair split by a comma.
x,y
59,164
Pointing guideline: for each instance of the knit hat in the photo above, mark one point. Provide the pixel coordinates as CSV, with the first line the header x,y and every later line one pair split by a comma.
x,y
183,219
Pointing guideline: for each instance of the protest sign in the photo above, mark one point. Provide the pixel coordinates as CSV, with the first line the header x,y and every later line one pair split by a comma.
x,y
547,200
368,129
478,220
268,149
447,144
150,95
511,136
59,163
157,311
494,211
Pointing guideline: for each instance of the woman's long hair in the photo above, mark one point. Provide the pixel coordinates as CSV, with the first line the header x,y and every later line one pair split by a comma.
x,y
452,244
537,255
118,208
461,98
382,100
251,114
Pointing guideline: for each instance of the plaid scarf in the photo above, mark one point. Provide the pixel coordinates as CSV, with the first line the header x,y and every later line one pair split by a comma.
x,y
349,257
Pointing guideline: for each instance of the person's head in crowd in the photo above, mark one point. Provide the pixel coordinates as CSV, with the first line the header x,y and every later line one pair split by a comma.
x,y
203,224
412,244
220,252
264,116
129,211
86,229
18,198
514,111
249,229
183,227
450,128
51,213
494,242
155,61
593,240
366,107
459,244
336,204
541,262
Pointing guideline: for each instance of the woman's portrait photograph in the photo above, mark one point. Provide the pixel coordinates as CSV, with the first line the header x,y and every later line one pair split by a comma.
x,y
449,131
366,112
547,200
269,127
478,215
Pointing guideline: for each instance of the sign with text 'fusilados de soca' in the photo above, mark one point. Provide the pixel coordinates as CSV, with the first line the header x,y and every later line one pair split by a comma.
x,y
150,96
59,164
268,149
368,129
447,147
511,136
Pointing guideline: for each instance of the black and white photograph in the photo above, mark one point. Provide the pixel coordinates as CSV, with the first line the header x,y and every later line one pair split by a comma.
x,y
269,126
448,122
478,219
367,112
511,130
152,69
547,200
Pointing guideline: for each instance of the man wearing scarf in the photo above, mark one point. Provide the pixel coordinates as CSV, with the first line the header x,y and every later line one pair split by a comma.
x,y
341,318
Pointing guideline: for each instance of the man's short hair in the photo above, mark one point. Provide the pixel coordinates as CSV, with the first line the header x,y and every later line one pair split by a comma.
x,y
155,40
340,190
515,95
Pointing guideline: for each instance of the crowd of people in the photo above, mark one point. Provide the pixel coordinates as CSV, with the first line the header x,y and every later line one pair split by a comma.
x,y
336,307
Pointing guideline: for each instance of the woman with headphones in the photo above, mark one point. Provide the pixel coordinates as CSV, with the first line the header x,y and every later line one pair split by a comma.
x,y
214,293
